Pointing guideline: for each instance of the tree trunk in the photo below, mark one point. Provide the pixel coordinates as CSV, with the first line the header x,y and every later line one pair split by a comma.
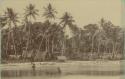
x,y
7,42
63,42
28,39
92,44
14,45
47,54
114,49
48,47
99,48
52,46
40,44
14,39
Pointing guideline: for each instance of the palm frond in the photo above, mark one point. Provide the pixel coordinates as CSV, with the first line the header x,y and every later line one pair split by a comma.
x,y
49,12
11,16
31,11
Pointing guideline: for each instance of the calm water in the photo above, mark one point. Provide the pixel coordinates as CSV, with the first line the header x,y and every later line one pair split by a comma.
x,y
74,71
44,74
66,77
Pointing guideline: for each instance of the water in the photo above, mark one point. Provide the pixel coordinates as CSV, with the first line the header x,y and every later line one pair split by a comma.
x,y
42,74
68,71
65,77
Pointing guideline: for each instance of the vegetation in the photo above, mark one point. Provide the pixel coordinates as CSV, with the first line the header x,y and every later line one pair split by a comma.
x,y
46,40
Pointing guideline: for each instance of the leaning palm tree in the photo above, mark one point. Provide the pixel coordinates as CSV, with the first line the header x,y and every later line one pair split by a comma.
x,y
30,13
66,19
11,19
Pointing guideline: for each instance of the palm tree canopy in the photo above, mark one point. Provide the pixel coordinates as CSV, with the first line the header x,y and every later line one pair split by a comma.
x,y
31,11
67,19
49,12
11,16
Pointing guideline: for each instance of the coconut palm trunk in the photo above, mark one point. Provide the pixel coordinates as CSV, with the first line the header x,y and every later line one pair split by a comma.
x,y
11,35
52,48
63,42
99,48
92,44
28,40
114,49
7,42
40,44
30,12
14,44
47,48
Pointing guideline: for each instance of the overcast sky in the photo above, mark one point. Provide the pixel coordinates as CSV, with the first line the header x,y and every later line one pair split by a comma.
x,y
83,11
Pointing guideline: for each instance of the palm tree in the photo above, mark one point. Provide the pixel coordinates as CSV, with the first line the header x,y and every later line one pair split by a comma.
x,y
66,19
30,12
49,12
11,19
3,22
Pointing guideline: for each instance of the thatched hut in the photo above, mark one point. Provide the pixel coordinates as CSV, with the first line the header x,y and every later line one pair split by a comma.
x,y
40,56
61,58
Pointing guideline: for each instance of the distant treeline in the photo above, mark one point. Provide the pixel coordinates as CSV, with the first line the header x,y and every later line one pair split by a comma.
x,y
94,41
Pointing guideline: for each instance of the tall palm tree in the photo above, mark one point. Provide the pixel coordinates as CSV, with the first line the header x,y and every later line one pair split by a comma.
x,y
30,13
11,19
66,19
49,12
3,22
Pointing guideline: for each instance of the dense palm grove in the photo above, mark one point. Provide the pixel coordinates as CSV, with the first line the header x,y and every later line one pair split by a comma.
x,y
46,40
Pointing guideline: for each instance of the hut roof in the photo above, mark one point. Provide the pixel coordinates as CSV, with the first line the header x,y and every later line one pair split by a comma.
x,y
61,58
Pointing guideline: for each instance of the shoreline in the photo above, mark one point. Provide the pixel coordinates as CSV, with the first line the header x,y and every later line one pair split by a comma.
x,y
69,67
99,65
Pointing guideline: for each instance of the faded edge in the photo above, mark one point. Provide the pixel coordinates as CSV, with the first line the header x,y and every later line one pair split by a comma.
x,y
123,26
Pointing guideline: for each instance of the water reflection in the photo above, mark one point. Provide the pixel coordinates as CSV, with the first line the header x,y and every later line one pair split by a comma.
x,y
34,72
20,73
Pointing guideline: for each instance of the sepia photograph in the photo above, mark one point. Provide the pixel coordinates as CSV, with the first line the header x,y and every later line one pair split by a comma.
x,y
62,39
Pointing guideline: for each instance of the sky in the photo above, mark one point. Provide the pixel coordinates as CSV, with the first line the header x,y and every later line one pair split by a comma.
x,y
83,11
